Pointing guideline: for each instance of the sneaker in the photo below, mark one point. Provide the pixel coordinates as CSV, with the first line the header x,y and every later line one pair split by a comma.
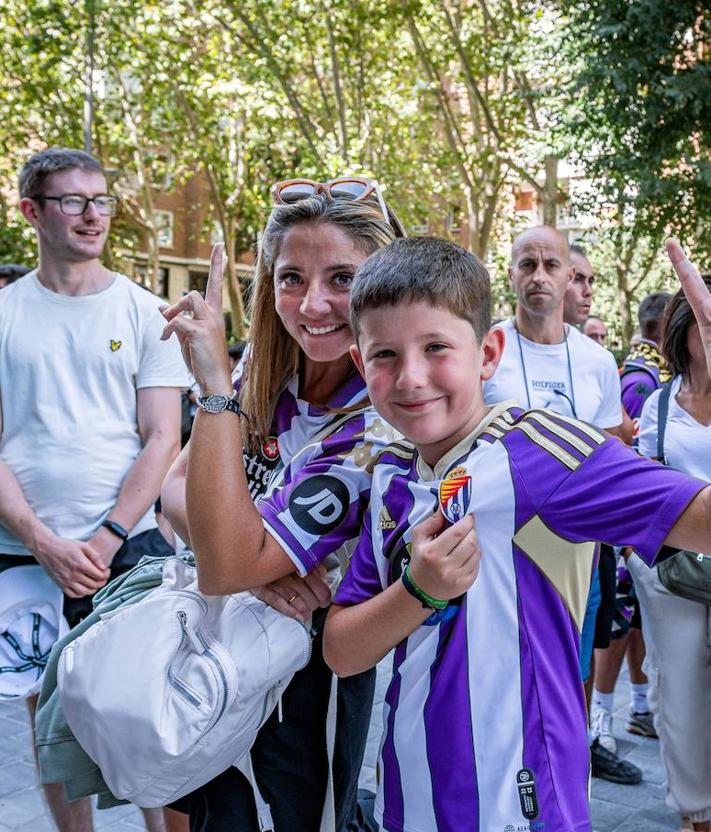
x,y
601,728
641,724
608,766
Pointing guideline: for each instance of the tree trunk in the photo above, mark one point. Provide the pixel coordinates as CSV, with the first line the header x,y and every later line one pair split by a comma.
x,y
550,192
234,289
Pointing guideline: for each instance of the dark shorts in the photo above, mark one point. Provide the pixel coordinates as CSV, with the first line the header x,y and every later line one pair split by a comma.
x,y
607,569
150,542
290,760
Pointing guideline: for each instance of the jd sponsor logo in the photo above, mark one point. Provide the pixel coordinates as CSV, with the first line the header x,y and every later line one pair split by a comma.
x,y
319,504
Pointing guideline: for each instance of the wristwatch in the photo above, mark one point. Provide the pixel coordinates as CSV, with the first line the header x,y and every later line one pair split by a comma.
x,y
217,402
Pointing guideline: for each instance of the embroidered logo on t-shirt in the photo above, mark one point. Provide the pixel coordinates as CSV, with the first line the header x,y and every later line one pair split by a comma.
x,y
385,521
455,493
115,345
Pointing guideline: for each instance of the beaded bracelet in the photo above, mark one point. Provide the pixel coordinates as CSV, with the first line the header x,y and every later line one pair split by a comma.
x,y
427,601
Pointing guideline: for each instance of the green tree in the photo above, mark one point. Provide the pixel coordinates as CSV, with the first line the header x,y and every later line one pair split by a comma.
x,y
640,105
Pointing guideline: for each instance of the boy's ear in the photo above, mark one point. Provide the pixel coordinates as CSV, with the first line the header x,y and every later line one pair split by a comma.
x,y
492,348
357,358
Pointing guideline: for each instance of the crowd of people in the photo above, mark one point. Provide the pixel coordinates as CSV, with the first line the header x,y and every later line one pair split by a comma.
x,y
462,512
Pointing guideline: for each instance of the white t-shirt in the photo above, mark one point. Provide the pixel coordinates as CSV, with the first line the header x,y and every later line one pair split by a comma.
x,y
69,370
577,377
687,443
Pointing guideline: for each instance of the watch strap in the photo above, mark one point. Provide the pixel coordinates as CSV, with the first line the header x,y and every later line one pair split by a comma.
x,y
116,528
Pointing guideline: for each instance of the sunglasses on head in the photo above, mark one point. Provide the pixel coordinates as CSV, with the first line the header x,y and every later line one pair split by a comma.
x,y
355,188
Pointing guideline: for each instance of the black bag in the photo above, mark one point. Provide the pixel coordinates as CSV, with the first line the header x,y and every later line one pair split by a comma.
x,y
686,574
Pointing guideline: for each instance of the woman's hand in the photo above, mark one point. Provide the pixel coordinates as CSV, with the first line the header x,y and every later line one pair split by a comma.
x,y
696,293
200,326
297,597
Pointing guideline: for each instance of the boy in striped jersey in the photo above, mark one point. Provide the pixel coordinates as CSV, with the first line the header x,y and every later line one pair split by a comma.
x,y
485,725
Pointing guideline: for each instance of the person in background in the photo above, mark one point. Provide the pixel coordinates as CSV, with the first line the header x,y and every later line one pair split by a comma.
x,y
676,629
579,292
10,272
90,413
596,329
643,371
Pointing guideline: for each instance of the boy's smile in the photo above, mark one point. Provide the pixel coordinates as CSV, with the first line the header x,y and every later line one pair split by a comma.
x,y
424,367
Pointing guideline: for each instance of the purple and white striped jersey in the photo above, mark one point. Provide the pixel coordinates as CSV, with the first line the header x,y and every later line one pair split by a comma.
x,y
485,725
316,503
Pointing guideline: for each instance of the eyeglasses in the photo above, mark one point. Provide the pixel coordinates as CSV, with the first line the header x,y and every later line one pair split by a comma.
x,y
355,188
76,204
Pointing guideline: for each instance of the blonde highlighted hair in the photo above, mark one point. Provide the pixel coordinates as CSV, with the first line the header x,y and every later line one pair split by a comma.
x,y
273,354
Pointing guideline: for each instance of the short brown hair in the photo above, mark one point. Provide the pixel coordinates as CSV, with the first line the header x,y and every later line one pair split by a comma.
x,y
677,320
424,269
53,160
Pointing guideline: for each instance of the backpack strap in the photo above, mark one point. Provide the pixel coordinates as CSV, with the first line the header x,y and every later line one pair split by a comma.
x,y
662,413
264,812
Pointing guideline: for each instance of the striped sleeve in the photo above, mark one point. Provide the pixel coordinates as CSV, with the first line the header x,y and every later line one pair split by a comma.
x,y
325,491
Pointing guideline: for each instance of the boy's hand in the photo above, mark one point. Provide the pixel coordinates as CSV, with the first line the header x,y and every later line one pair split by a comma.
x,y
445,560
696,293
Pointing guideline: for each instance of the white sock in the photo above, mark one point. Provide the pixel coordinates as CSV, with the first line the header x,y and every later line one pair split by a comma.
x,y
639,698
603,700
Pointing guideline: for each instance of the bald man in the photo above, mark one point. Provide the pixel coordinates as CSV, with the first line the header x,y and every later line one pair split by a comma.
x,y
547,363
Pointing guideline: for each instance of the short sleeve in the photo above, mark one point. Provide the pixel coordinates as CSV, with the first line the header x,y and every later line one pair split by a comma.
x,y
161,362
648,423
609,413
619,498
362,580
324,494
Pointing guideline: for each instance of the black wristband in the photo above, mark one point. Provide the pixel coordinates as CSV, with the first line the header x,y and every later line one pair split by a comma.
x,y
116,528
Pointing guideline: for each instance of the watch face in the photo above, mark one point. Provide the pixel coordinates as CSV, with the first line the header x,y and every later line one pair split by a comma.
x,y
215,403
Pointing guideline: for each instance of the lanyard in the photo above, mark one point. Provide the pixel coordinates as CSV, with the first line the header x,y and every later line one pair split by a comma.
x,y
571,399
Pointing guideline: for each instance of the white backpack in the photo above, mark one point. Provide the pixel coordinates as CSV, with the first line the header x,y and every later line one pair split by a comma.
x,y
167,693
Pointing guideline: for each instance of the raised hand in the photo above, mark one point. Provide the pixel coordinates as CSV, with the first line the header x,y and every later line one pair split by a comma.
x,y
696,293
200,327
445,561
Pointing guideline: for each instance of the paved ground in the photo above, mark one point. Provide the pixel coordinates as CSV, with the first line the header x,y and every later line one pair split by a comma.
x,y
614,808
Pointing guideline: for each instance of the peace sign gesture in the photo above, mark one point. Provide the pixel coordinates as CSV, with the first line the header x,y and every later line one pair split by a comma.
x,y
696,293
200,326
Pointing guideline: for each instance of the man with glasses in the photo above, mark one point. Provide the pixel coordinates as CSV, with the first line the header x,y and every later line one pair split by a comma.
x,y
548,363
90,397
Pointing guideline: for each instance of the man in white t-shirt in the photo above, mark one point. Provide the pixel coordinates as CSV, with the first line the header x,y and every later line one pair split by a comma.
x,y
90,403
547,363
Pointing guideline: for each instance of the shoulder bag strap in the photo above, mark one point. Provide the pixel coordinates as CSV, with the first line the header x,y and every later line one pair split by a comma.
x,y
662,412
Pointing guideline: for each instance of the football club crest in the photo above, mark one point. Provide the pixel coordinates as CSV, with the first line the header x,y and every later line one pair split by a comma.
x,y
455,493
270,448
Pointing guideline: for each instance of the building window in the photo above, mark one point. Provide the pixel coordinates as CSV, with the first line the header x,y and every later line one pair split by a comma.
x,y
454,219
164,224
524,200
197,282
163,286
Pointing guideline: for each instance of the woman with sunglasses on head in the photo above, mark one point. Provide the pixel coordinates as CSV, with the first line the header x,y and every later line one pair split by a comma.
x,y
288,413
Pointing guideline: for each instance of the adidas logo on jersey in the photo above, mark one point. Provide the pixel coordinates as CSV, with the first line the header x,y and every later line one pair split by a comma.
x,y
385,521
